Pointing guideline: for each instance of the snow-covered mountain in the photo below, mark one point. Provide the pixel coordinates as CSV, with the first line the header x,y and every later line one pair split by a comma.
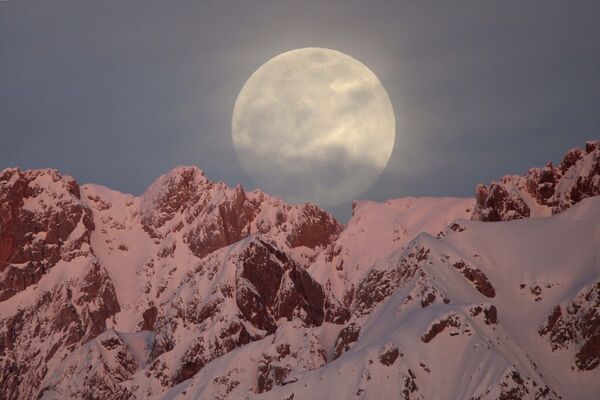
x,y
195,290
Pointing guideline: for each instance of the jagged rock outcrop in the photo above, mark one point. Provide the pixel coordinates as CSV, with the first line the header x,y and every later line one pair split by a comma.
x,y
110,360
235,296
41,330
43,220
542,191
577,325
45,231
213,216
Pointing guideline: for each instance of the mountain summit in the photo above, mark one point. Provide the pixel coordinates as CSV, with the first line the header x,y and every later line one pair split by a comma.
x,y
196,290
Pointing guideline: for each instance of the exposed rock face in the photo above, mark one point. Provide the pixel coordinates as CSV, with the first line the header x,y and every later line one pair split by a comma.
x,y
577,325
279,288
495,204
438,327
478,278
149,319
347,336
258,368
285,358
111,362
512,386
259,287
490,313
389,355
42,221
213,216
542,191
59,321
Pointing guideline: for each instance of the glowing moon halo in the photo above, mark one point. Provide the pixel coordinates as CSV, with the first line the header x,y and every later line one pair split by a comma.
x,y
313,124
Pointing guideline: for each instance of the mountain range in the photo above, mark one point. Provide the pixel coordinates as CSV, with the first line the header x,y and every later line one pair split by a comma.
x,y
195,290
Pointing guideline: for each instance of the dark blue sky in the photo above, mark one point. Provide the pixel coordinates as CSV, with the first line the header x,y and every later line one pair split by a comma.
x,y
119,93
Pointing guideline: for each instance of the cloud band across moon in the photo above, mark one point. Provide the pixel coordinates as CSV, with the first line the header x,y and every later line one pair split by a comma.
x,y
314,125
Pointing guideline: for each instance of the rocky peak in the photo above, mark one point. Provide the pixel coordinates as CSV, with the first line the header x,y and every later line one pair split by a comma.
x,y
212,215
170,194
542,191
40,212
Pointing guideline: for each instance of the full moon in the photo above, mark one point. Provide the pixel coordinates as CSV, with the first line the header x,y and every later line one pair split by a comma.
x,y
314,125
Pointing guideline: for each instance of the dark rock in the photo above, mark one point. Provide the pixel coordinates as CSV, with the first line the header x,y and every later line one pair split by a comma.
x,y
575,182
437,328
149,319
37,238
346,337
478,278
390,356
187,191
578,325
491,315
316,228
189,369
270,375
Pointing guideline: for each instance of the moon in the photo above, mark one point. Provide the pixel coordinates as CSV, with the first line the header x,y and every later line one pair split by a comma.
x,y
313,125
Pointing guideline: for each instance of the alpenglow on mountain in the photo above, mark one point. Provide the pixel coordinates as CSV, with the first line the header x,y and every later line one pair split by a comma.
x,y
195,290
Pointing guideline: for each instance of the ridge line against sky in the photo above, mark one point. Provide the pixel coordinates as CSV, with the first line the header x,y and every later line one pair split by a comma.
x,y
118,94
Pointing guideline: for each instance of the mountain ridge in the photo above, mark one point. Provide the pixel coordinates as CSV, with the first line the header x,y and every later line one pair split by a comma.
x,y
195,290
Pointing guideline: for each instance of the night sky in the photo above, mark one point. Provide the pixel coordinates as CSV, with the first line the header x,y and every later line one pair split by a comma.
x,y
119,93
